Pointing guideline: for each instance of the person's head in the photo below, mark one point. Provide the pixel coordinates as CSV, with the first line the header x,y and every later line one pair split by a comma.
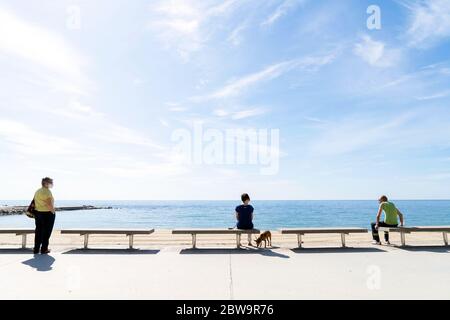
x,y
245,198
47,183
383,199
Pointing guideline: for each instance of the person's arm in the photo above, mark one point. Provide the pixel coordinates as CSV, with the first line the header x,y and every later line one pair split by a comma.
x,y
237,216
380,210
50,204
400,215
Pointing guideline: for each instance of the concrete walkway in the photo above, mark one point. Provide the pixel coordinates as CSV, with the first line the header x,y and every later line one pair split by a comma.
x,y
177,273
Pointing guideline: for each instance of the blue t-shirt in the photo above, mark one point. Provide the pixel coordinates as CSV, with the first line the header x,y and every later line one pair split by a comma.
x,y
245,216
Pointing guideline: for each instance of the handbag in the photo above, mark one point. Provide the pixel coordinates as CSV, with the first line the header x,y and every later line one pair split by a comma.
x,y
30,210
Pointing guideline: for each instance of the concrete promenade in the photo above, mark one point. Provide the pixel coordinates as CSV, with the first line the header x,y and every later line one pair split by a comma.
x,y
163,269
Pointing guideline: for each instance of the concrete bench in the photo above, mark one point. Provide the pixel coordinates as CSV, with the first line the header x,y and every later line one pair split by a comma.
x,y
237,232
128,232
19,232
404,230
303,231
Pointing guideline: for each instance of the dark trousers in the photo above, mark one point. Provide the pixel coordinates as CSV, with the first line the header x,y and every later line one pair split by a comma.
x,y
44,227
375,234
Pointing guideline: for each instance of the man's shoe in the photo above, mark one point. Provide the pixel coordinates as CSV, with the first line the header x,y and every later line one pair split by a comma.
x,y
45,251
36,251
378,243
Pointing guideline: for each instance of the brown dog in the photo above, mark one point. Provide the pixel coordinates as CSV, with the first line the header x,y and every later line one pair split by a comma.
x,y
266,237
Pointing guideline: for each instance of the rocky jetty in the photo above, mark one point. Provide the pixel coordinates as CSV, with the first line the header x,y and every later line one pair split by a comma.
x,y
13,210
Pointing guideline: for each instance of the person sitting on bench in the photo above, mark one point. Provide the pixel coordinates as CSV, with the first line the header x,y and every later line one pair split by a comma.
x,y
391,214
244,213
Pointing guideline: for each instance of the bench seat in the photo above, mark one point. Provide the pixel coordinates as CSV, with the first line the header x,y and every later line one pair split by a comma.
x,y
237,232
18,232
128,232
404,230
303,231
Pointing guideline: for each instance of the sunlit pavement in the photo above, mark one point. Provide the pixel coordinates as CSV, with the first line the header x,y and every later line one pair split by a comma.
x,y
177,273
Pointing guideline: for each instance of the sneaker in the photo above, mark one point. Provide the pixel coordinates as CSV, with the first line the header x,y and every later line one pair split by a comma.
x,y
388,243
45,251
378,243
36,251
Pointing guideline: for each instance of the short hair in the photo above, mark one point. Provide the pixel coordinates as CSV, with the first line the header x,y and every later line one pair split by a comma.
x,y
245,197
46,180
383,199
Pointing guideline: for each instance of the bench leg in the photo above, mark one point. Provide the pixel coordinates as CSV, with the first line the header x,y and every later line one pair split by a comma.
x,y
24,241
238,240
249,239
194,241
403,239
130,240
343,239
445,238
299,240
86,241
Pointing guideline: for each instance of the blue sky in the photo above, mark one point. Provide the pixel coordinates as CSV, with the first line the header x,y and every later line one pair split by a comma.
x,y
93,91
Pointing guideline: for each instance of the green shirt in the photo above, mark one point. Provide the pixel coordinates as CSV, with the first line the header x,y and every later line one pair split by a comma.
x,y
390,212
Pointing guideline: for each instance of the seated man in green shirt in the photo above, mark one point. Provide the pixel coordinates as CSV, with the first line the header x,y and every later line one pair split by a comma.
x,y
391,214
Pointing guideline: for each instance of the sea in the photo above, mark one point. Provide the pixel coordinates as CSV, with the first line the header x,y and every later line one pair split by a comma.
x,y
269,214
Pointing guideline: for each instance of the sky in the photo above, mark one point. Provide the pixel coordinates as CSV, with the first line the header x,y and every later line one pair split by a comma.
x,y
121,100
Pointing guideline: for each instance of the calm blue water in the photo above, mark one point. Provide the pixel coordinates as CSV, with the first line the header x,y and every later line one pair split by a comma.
x,y
268,214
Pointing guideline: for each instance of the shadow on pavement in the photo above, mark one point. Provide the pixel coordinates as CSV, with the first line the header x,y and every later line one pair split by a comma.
x,y
15,251
111,251
437,249
337,250
40,262
263,252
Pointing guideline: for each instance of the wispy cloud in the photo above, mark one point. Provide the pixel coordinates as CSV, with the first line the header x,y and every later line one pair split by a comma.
x,y
26,141
187,24
375,52
437,95
236,37
355,134
38,45
429,21
235,87
281,10
241,114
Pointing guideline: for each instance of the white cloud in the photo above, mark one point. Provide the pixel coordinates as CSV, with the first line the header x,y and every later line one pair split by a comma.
x,y
235,37
281,10
247,113
356,133
187,24
118,134
25,140
74,109
375,53
23,39
429,21
235,87
140,169
438,95
221,113
237,115
164,122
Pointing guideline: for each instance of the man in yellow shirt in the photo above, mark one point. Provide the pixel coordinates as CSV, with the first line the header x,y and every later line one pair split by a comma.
x,y
44,216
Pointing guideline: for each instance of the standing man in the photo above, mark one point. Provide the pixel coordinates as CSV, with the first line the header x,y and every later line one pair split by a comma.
x,y
44,216
391,214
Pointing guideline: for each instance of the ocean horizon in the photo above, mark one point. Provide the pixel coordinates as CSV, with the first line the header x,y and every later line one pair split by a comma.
x,y
269,214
